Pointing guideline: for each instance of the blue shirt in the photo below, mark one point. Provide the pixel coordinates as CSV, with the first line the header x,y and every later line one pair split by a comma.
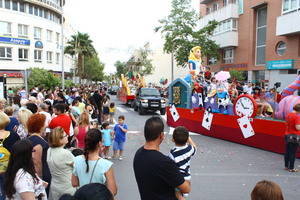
x,y
120,136
106,137
13,124
102,167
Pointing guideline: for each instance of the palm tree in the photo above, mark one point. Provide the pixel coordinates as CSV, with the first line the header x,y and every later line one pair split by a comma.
x,y
82,46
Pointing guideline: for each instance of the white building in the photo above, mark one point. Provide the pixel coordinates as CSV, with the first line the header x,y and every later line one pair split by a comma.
x,y
31,36
162,63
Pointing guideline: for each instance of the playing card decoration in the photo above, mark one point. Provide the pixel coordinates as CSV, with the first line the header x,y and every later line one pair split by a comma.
x,y
195,100
174,113
200,100
246,126
207,120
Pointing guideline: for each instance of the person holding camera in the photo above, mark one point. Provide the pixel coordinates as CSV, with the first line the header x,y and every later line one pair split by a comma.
x,y
292,138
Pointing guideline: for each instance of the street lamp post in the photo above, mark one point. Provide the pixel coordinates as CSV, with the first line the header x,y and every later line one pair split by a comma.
x,y
5,86
62,49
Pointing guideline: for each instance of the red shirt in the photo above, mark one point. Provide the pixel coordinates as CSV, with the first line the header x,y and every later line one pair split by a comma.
x,y
61,120
292,119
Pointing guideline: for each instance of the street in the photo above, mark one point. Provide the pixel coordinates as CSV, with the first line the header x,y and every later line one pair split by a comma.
x,y
221,170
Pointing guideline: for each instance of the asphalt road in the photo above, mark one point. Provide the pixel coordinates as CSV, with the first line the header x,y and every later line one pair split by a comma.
x,y
221,170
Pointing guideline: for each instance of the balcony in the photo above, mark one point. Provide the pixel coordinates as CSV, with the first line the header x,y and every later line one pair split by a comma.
x,y
227,39
227,12
288,23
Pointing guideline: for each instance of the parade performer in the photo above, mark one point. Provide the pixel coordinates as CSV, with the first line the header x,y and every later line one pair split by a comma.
x,y
223,99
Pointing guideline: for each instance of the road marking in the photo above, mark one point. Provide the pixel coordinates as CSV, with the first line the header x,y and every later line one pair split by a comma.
x,y
131,109
133,132
164,117
243,174
122,110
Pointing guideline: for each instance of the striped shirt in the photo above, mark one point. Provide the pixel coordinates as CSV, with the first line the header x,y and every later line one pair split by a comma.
x,y
182,157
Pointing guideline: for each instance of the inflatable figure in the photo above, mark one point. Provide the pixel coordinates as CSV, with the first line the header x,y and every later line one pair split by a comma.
x,y
195,60
286,106
290,90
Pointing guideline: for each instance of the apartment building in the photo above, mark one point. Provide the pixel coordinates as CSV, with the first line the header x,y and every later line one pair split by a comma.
x,y
259,37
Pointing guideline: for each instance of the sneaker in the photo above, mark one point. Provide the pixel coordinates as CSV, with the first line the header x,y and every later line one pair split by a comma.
x,y
108,158
120,158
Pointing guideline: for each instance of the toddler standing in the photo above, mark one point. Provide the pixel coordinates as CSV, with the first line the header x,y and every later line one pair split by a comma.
x,y
112,110
107,139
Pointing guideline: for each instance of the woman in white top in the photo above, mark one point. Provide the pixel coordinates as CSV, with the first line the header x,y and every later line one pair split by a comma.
x,y
21,181
60,162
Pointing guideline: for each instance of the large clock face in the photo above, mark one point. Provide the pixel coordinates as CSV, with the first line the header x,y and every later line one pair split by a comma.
x,y
244,107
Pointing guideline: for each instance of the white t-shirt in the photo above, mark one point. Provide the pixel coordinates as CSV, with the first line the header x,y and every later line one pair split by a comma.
x,y
24,182
48,119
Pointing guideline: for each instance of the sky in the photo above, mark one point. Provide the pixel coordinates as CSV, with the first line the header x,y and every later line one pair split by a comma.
x,y
118,27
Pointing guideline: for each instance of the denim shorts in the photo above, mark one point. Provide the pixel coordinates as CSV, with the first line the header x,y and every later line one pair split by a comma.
x,y
118,146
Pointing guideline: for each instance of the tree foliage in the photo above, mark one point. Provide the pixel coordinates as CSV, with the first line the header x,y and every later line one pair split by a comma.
x,y
181,33
81,46
42,78
121,68
93,69
237,75
141,63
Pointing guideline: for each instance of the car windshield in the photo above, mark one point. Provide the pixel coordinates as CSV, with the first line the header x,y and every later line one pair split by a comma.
x,y
115,87
149,92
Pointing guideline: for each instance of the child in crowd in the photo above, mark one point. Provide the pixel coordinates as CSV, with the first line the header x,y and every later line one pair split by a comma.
x,y
112,110
120,131
184,149
107,136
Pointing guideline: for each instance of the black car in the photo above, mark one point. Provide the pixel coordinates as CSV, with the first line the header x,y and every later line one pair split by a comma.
x,y
149,99
113,90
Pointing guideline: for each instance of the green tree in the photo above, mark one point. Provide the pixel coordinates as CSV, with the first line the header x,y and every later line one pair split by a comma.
x,y
82,46
143,64
121,68
93,69
237,75
181,34
43,78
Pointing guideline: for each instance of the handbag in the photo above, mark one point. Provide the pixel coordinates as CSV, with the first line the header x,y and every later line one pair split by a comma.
x,y
94,170
293,138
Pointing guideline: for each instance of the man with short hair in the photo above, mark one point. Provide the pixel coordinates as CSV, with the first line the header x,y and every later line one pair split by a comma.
x,y
157,175
61,118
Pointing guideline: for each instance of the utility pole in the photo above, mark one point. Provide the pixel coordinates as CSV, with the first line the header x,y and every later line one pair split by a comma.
x,y
172,67
62,49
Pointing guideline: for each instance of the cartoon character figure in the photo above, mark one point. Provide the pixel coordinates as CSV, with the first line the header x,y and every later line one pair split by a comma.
x,y
223,99
195,59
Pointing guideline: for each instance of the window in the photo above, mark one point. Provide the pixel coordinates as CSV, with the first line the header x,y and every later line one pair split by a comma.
x,y
49,56
7,4
57,58
57,38
228,56
36,11
207,11
49,36
41,12
38,55
46,14
1,4
22,30
30,9
23,54
5,53
280,48
15,5
5,28
225,2
37,33
290,5
212,61
22,7
226,25
215,7
261,34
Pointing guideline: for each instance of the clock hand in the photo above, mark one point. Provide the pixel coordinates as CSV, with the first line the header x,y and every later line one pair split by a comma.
x,y
242,105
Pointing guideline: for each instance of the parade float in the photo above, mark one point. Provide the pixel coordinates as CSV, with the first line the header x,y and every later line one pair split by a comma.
x,y
204,105
128,87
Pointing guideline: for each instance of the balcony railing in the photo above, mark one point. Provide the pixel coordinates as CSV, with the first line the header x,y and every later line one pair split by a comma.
x,y
288,23
227,12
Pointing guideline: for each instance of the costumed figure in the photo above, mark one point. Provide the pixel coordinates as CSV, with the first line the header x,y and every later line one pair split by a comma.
x,y
197,97
223,99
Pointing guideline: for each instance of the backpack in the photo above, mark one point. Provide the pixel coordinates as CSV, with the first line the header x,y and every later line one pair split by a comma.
x,y
4,157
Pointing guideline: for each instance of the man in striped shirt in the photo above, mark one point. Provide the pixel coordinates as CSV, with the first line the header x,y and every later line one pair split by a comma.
x,y
182,153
